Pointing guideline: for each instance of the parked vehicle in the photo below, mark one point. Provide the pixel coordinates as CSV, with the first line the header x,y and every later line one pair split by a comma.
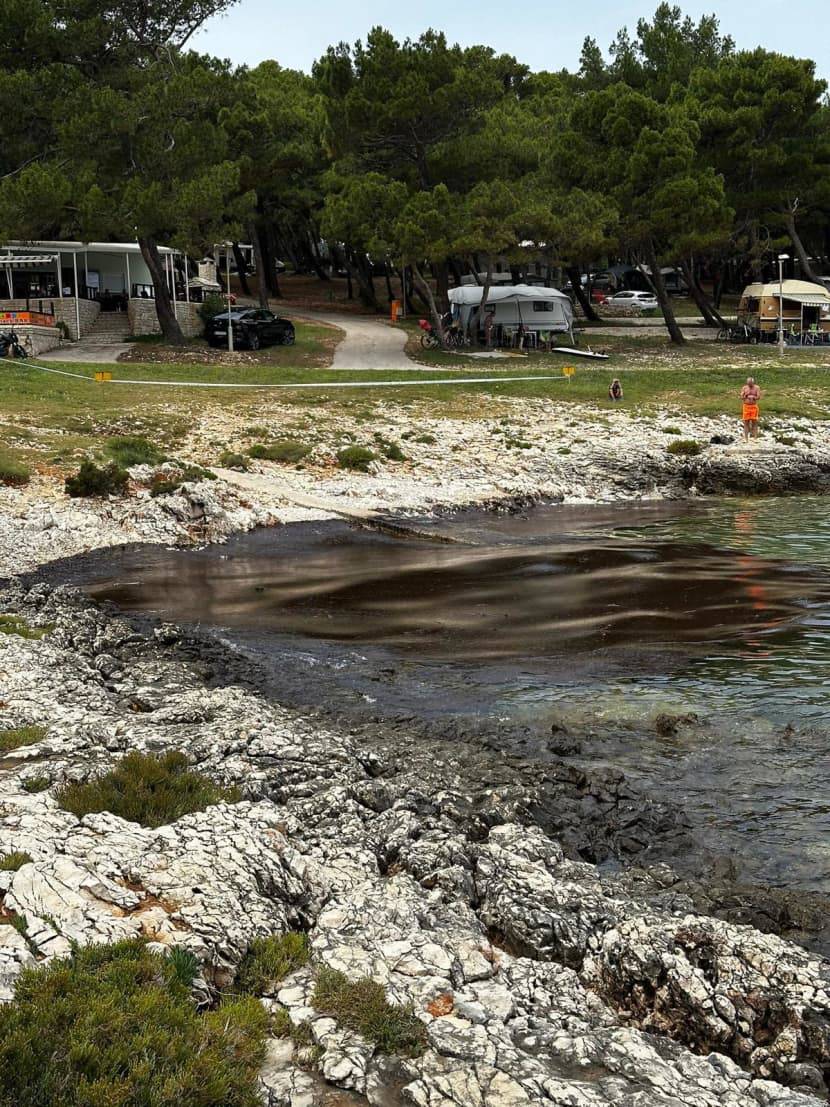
x,y
252,328
634,301
10,344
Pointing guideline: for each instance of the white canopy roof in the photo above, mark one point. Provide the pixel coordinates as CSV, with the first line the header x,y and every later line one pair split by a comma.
x,y
505,294
81,247
801,292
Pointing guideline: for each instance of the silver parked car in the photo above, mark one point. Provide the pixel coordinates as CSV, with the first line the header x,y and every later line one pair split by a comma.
x,y
633,301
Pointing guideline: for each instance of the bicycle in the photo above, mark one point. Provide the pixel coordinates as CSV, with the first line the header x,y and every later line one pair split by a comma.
x,y
10,341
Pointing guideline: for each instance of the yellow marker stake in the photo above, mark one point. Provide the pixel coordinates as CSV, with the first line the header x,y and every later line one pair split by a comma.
x,y
103,375
568,371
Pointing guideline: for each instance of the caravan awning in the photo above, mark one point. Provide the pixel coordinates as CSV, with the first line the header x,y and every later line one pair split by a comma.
x,y
808,298
501,294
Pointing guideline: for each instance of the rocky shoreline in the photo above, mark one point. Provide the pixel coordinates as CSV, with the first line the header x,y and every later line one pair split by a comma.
x,y
453,876
530,452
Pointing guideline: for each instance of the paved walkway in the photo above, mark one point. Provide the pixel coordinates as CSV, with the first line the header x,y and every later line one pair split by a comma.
x,y
369,343
92,353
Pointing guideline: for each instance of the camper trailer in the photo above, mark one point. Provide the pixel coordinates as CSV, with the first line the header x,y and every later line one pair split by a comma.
x,y
518,309
805,308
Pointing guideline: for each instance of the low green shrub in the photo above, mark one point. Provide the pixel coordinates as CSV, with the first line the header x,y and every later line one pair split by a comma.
x,y
361,1005
212,305
684,447
14,624
269,960
426,439
162,484
145,789
13,473
11,862
230,460
132,449
672,430
786,439
357,458
286,449
20,736
115,1026
35,784
92,480
390,449
307,1052
184,963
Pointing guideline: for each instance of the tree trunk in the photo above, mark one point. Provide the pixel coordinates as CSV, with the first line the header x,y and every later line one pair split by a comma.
x,y
359,264
442,285
663,299
314,253
806,265
478,316
426,291
388,277
406,290
455,269
270,244
707,310
164,308
259,261
241,270
575,277
755,254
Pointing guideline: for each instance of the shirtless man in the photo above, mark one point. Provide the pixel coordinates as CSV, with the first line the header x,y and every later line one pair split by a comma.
x,y
750,397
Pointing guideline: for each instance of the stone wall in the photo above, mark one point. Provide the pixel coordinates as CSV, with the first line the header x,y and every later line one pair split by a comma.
x,y
64,311
37,340
143,318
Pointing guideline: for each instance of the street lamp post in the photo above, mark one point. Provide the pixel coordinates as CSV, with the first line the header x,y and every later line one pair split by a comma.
x,y
226,246
781,259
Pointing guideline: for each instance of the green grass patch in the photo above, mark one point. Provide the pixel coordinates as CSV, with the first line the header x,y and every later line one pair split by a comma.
x,y
684,447
114,1026
14,624
426,439
269,960
672,430
285,449
145,789
11,862
93,480
131,449
20,736
13,472
357,458
361,1005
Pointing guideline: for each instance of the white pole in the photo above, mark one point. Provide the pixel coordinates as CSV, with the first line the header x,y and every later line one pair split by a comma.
x,y
9,280
129,281
173,286
77,304
60,274
781,306
86,271
228,274
186,279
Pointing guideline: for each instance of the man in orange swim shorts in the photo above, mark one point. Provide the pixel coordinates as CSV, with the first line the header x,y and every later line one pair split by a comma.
x,y
750,398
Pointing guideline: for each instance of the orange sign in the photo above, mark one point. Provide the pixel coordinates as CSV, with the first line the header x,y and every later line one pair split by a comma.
x,y
27,318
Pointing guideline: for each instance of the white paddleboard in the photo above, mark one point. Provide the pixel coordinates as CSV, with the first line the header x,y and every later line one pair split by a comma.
x,y
572,352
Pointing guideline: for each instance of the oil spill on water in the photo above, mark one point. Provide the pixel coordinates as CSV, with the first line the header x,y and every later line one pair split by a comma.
x,y
598,620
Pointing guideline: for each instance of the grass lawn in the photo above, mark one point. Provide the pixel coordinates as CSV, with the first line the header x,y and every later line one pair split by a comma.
x,y
51,421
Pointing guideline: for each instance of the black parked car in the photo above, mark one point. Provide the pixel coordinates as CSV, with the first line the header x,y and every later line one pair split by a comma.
x,y
252,328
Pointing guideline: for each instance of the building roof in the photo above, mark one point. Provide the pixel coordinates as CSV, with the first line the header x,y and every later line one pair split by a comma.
x,y
67,247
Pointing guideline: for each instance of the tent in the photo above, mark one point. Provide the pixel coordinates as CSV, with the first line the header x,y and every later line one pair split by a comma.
x,y
537,308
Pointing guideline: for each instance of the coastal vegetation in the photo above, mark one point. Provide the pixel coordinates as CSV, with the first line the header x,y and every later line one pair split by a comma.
x,y
269,960
361,1005
16,737
116,1025
146,789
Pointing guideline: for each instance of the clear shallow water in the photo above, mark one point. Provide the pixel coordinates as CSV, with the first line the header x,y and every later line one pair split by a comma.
x,y
598,618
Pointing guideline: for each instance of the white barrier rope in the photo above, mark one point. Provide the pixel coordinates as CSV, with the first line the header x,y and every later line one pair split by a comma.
x,y
409,383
